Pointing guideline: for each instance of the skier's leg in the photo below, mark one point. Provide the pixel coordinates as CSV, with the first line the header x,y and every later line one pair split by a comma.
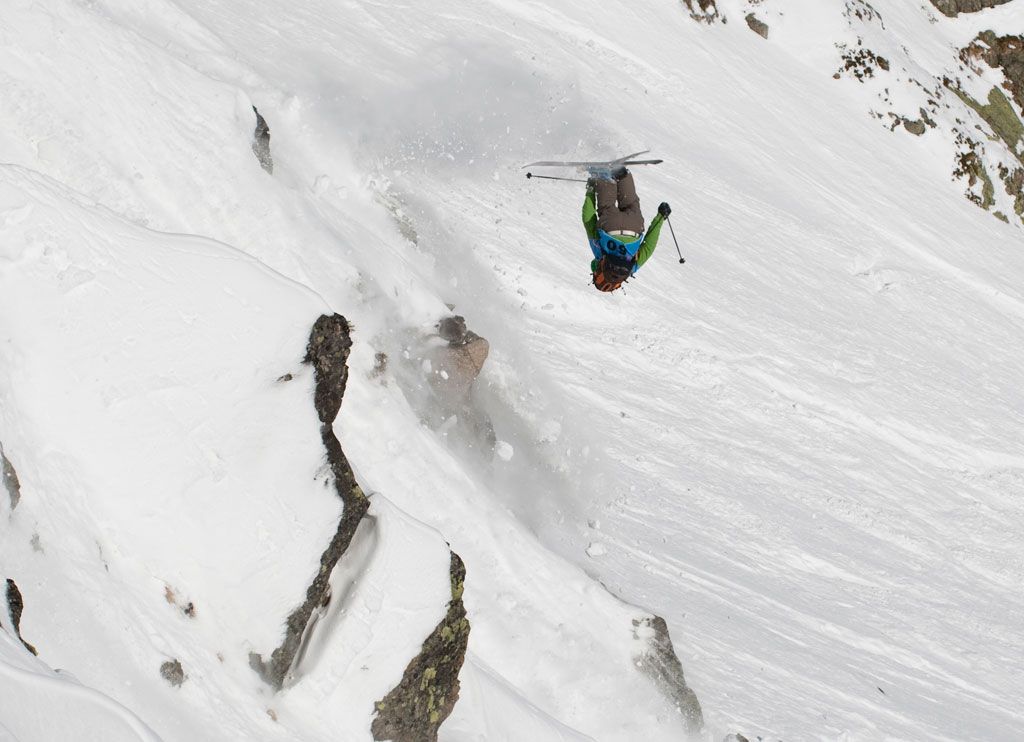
x,y
629,204
609,217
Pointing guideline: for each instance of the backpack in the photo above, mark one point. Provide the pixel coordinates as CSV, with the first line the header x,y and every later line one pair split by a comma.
x,y
612,272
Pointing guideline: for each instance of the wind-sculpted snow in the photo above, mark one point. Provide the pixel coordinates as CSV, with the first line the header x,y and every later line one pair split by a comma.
x,y
37,703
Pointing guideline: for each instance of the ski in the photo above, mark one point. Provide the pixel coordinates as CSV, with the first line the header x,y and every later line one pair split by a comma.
x,y
601,165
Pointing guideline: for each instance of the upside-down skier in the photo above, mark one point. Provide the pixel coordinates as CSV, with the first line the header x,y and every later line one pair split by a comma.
x,y
615,228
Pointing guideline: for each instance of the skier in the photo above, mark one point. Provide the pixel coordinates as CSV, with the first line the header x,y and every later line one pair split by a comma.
x,y
615,229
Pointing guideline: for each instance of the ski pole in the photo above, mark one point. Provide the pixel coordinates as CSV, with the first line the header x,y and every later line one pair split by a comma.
x,y
681,258
551,177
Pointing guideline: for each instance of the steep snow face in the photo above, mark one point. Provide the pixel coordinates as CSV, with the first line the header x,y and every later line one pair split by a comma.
x,y
38,703
99,350
800,447
177,502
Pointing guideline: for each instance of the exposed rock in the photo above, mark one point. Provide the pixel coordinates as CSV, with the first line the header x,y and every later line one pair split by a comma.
x,y
916,127
660,663
10,479
1013,180
927,119
860,62
862,11
1000,52
427,693
261,143
327,351
15,606
173,673
757,26
705,11
952,8
454,367
999,114
970,166
187,608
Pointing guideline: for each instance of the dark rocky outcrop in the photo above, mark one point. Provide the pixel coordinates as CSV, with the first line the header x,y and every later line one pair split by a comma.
x,y
15,606
705,11
427,693
1005,53
10,479
757,26
1013,181
862,11
1000,115
860,62
261,143
455,368
952,8
173,673
915,126
970,166
658,661
327,352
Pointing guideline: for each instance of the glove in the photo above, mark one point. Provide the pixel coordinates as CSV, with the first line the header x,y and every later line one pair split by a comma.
x,y
664,209
591,183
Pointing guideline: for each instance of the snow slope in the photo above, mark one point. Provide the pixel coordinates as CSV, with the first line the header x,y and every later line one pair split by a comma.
x,y
40,704
801,447
163,426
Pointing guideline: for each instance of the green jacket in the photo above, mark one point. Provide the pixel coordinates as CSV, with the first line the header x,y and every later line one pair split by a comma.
x,y
648,242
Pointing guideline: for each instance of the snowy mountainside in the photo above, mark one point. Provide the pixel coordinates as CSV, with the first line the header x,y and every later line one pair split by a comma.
x,y
144,371
39,703
800,447
61,709
195,385
956,82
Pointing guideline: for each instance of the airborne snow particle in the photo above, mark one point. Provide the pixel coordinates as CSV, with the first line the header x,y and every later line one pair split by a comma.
x,y
504,450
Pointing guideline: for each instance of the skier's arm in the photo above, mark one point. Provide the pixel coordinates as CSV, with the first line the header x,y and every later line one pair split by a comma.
x,y
590,214
650,241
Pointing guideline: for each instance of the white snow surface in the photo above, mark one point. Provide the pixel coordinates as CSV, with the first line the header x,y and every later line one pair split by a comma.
x,y
40,704
802,447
